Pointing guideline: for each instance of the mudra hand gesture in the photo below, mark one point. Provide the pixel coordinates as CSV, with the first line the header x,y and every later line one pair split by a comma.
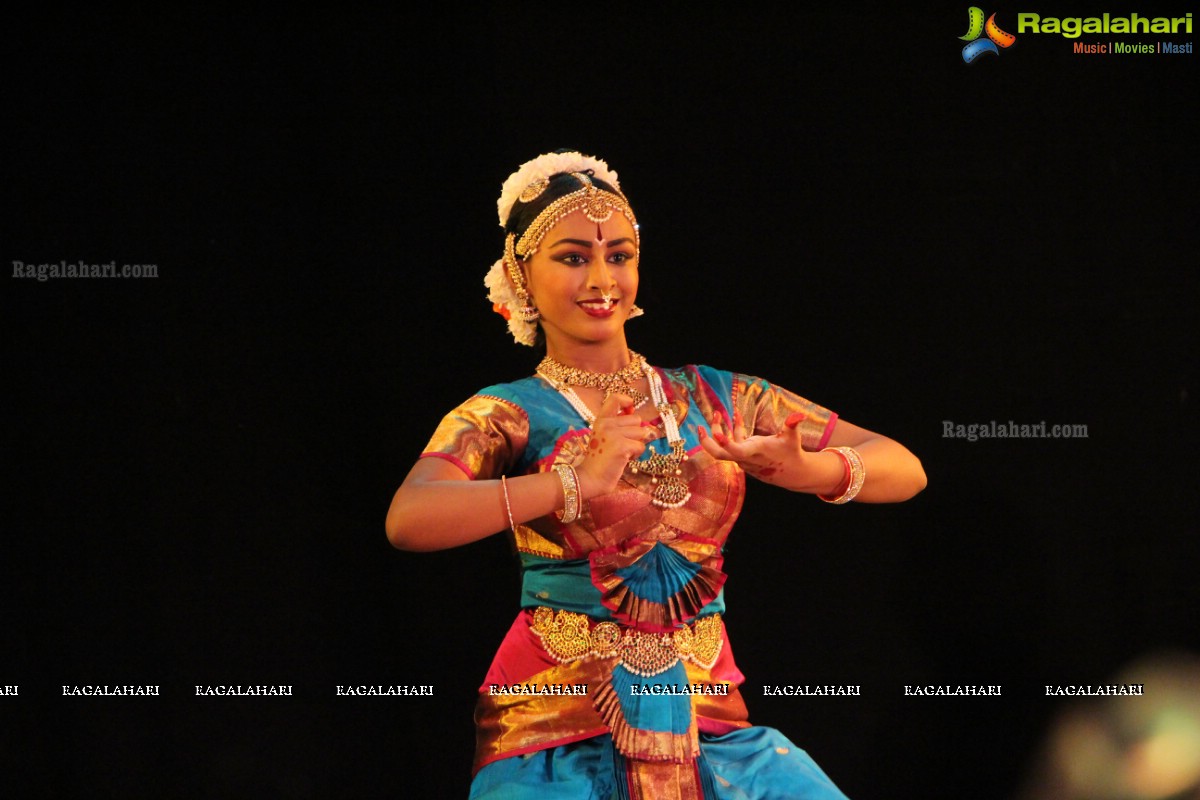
x,y
778,459
618,437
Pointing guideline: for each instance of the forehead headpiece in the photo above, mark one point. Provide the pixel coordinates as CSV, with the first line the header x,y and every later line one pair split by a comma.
x,y
595,203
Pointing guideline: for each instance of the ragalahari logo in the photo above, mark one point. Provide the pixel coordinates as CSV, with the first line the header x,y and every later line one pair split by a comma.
x,y
996,38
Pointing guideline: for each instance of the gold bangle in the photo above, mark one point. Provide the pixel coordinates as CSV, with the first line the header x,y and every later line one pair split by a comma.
x,y
570,486
858,474
507,506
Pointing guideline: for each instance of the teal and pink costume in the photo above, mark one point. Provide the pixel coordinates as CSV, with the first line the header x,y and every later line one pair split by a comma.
x,y
617,679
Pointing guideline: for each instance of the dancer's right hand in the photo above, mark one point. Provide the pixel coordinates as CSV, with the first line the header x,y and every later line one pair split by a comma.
x,y
618,437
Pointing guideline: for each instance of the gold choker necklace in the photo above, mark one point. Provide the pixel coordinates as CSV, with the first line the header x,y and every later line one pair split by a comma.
x,y
619,382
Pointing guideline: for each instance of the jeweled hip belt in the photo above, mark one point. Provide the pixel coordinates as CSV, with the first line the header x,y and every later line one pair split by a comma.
x,y
568,636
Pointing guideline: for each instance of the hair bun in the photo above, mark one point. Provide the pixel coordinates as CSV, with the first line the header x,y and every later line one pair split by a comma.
x,y
541,168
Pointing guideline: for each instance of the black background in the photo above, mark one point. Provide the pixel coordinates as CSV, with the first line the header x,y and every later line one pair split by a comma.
x,y
202,461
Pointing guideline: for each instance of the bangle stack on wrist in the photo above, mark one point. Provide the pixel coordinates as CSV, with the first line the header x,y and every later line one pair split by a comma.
x,y
570,486
856,473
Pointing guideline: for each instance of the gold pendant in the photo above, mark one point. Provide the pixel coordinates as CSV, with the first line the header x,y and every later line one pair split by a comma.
x,y
670,490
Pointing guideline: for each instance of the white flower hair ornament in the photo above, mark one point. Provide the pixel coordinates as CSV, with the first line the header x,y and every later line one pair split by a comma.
x,y
505,285
506,303
541,168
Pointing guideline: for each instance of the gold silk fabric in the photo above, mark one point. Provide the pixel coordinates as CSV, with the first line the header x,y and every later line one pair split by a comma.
x,y
513,724
526,427
481,436
764,409
623,562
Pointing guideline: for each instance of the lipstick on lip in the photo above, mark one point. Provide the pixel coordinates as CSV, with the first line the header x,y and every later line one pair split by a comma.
x,y
599,307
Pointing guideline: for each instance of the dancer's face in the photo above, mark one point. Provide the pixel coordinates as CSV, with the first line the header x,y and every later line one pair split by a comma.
x,y
578,264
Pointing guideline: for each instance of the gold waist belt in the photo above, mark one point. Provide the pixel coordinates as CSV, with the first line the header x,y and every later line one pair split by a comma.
x,y
568,636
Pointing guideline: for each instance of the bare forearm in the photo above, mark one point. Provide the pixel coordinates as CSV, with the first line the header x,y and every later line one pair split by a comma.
x,y
437,514
893,473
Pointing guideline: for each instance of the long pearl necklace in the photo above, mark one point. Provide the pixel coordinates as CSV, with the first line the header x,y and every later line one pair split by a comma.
x,y
664,469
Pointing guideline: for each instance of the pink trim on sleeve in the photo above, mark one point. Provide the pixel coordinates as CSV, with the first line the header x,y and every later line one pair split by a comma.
x,y
825,437
455,461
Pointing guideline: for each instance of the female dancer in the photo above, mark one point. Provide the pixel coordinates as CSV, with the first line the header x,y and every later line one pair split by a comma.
x,y
619,482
